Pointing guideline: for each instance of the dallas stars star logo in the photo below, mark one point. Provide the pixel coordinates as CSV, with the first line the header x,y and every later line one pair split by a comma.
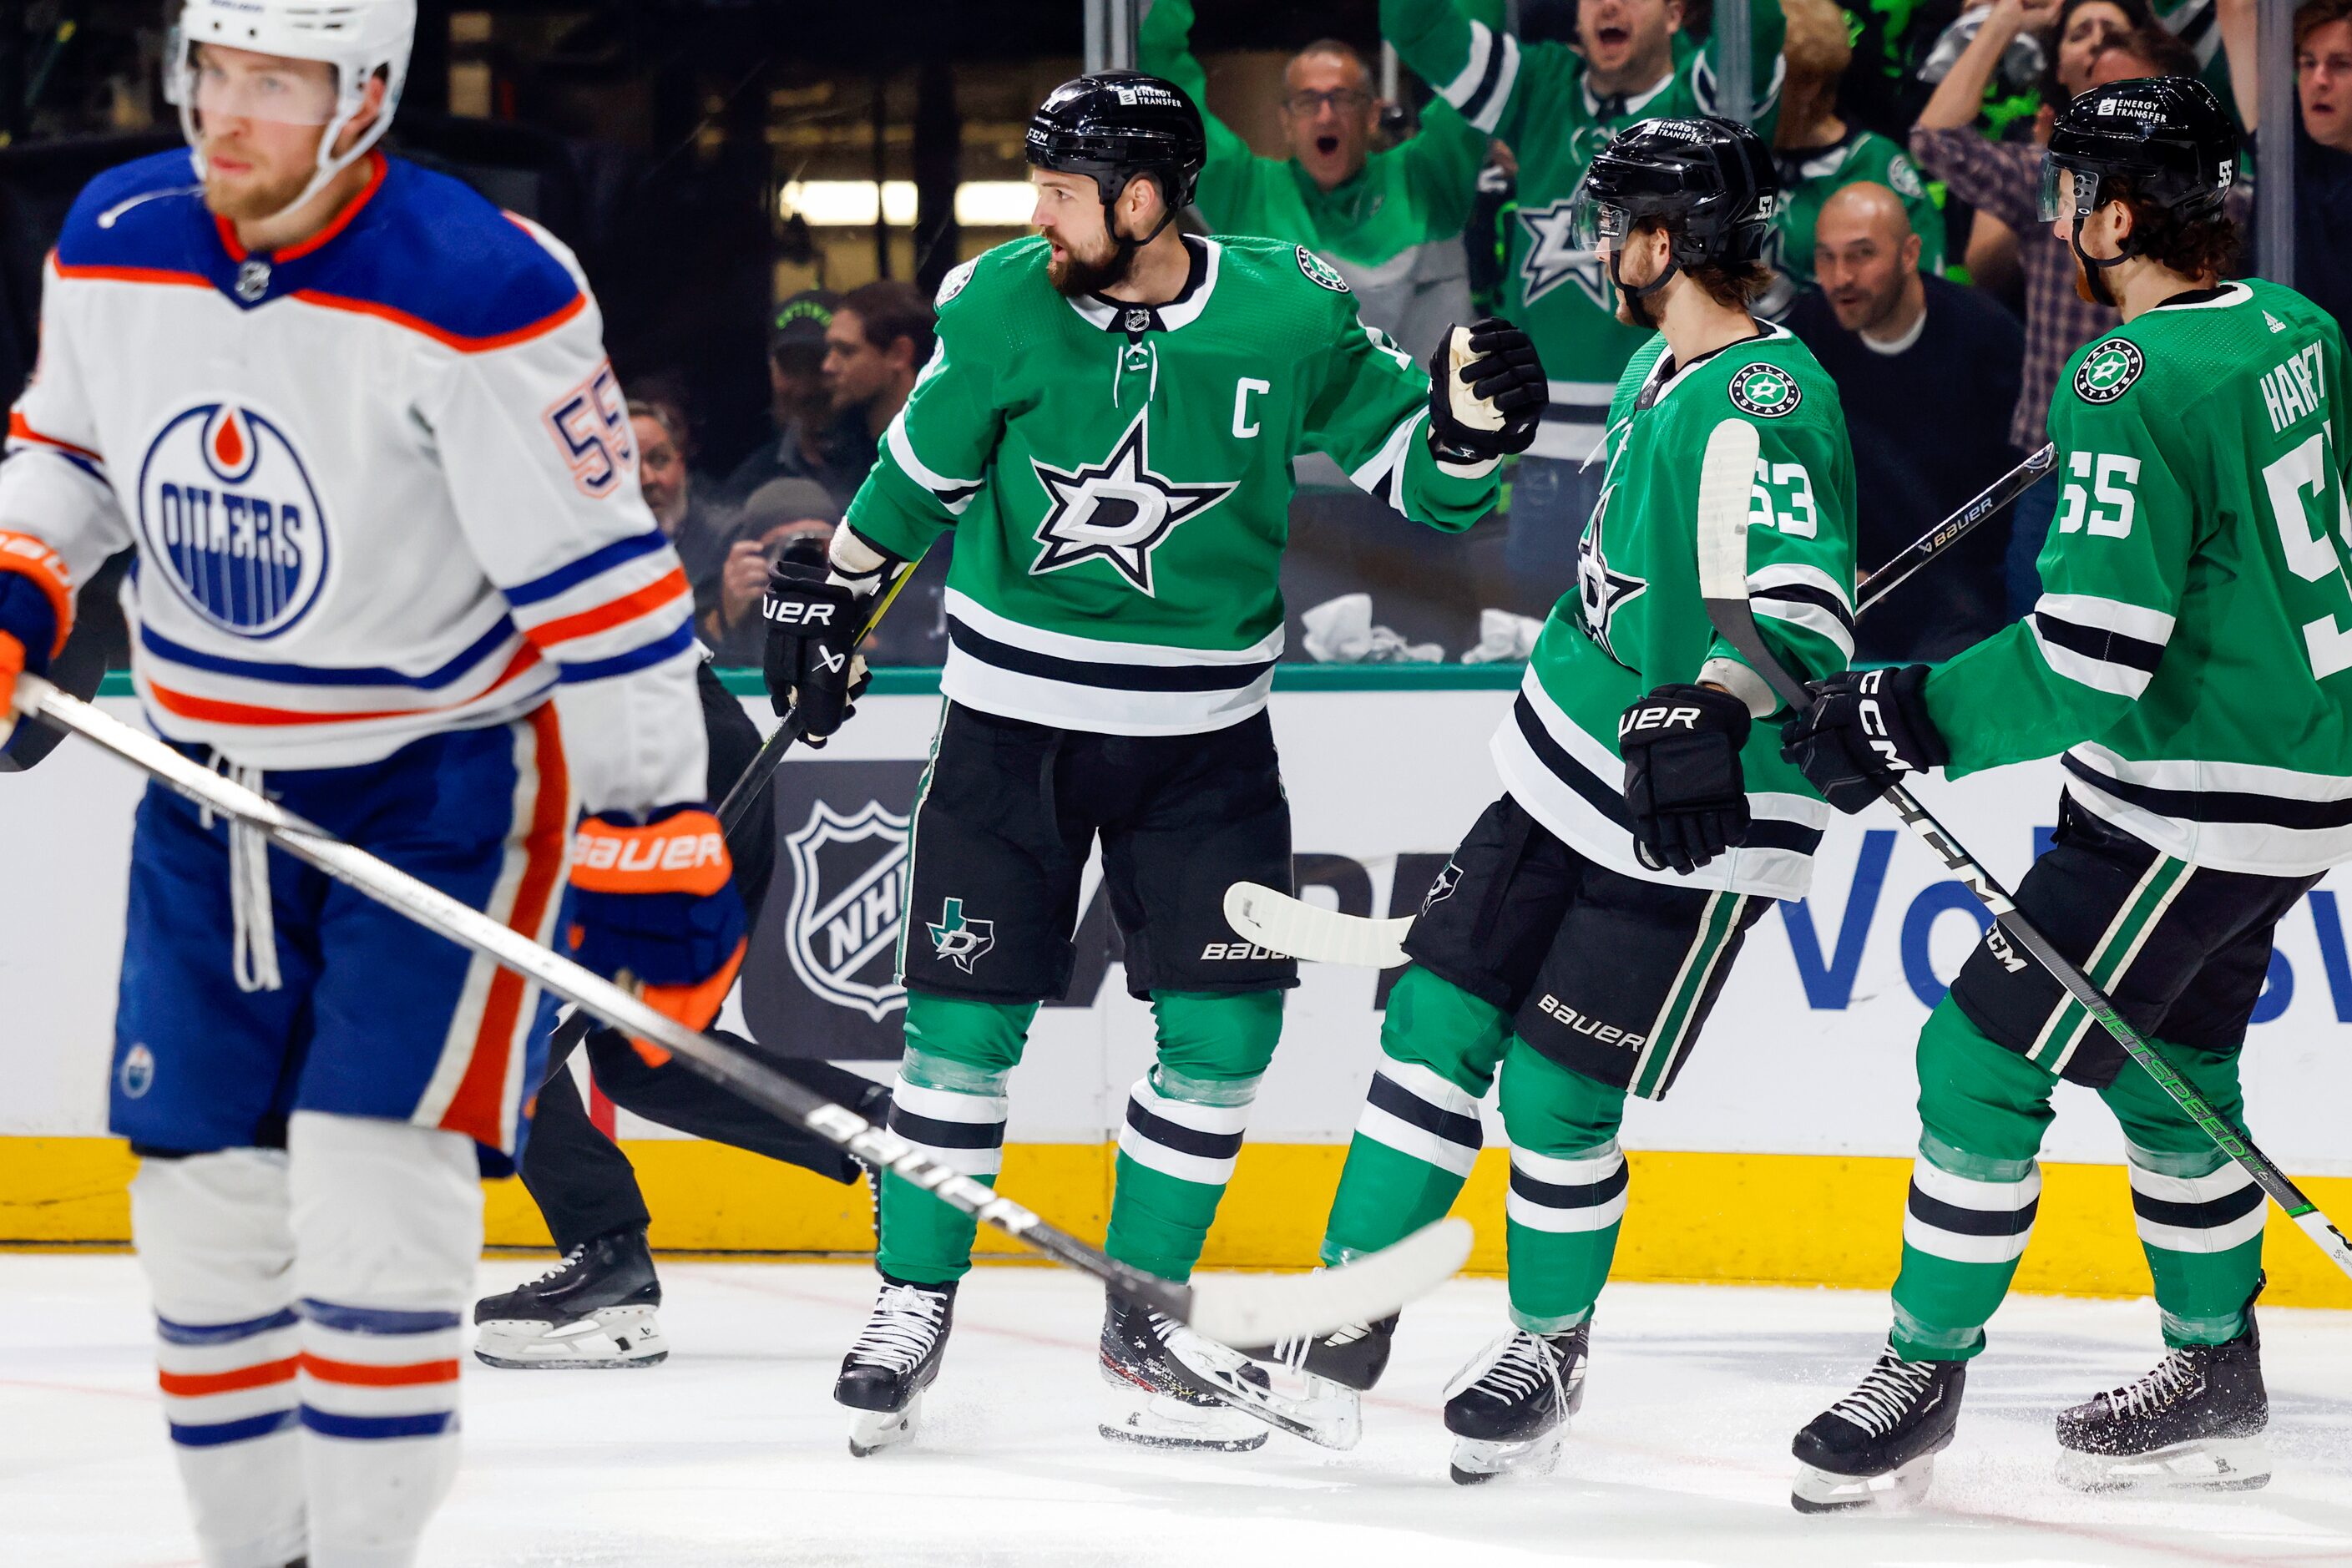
x,y
1553,258
1600,589
963,942
1118,510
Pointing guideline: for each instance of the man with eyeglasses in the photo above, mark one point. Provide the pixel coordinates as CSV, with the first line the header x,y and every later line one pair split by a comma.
x,y
1389,221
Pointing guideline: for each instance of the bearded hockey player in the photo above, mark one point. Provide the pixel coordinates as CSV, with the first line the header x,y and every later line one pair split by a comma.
x,y
359,427
2188,655
1578,936
1109,424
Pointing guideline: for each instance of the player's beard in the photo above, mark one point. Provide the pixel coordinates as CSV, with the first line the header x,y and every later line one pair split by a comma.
x,y
1076,276
255,197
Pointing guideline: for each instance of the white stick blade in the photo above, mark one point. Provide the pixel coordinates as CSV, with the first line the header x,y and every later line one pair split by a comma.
x,y
1726,483
1280,923
1259,1309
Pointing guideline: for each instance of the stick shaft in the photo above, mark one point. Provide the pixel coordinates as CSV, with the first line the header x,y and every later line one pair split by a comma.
x,y
1955,528
715,1059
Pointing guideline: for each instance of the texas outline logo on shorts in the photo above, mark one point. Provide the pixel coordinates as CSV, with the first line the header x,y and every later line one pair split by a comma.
x,y
963,942
231,521
1116,512
842,940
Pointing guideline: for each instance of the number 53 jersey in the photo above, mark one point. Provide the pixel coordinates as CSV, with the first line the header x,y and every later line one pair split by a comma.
x,y
381,483
2191,651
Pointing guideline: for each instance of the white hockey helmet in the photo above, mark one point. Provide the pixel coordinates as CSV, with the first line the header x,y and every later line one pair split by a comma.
x,y
361,38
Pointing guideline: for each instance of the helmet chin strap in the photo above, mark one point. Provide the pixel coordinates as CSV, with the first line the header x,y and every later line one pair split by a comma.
x,y
1124,247
2093,275
1637,299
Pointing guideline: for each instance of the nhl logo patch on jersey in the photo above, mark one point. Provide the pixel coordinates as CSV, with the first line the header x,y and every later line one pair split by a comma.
x,y
2107,372
1765,390
1321,272
847,908
229,519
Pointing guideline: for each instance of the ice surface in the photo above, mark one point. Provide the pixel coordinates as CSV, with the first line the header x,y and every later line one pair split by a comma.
x,y
734,1454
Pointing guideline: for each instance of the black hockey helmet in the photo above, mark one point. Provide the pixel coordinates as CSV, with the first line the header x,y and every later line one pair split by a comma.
x,y
2168,136
1709,178
1118,126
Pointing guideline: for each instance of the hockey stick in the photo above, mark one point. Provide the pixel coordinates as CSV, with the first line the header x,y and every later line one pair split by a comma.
x,y
750,788
1725,479
1233,1309
1283,924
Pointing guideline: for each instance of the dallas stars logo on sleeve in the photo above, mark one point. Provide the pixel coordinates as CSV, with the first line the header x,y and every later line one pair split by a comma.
x,y
961,942
1118,510
1765,390
1553,258
2107,372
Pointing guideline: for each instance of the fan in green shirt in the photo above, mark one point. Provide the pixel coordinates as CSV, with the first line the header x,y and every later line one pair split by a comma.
x,y
1369,212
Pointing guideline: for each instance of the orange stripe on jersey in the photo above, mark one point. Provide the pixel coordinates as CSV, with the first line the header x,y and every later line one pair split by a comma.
x,y
605,618
213,710
134,275
29,557
477,1107
342,220
195,1385
463,345
20,429
685,853
358,1374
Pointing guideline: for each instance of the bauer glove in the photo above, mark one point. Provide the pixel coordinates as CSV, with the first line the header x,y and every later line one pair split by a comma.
x,y
35,615
1683,788
1487,393
1865,729
654,907
816,611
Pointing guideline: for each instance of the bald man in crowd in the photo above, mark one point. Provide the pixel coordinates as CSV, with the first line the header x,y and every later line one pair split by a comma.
x,y
1929,373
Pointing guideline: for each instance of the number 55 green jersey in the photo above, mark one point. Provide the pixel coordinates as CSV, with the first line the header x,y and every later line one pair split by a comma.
x,y
1118,478
2191,651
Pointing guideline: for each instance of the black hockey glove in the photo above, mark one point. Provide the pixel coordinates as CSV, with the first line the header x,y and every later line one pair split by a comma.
x,y
1865,729
811,666
1683,788
1487,393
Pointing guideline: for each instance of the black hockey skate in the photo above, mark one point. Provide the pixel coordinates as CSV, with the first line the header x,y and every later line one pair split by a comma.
x,y
895,1359
2194,1423
1337,1368
1876,1448
1508,1409
1173,1388
595,1309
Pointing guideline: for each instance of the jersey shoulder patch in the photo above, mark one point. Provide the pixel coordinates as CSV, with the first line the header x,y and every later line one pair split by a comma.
x,y
953,283
2108,370
1765,390
1321,272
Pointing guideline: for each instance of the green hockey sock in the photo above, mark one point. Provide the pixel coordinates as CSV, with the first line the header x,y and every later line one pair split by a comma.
x,y
1418,1135
1185,1118
1974,1187
950,1101
2200,1213
1567,1188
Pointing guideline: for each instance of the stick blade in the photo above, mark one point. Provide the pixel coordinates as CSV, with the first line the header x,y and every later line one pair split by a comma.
x,y
1259,1309
1727,482
1280,923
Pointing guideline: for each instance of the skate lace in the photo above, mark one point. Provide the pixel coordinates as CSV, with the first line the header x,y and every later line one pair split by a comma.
x,y
1526,1363
571,1261
1293,1352
1885,1395
2175,1375
900,1332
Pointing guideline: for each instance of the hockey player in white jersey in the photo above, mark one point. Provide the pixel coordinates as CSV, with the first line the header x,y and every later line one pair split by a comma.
x,y
360,426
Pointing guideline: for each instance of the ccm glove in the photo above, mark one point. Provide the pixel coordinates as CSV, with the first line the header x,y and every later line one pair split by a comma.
x,y
35,614
1683,788
1487,393
813,610
1864,729
654,909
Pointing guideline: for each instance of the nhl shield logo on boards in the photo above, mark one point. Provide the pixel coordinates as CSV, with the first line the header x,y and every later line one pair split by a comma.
x,y
231,521
848,906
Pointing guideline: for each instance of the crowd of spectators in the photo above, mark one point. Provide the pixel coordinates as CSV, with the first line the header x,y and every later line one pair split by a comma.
x,y
1910,256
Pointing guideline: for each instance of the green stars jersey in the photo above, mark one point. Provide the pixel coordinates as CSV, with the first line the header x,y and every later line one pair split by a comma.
x,y
1812,175
1636,621
2191,652
1534,97
1119,478
1404,197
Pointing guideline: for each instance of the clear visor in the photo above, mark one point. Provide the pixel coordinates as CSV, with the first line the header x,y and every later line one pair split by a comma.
x,y
233,85
2058,191
1594,224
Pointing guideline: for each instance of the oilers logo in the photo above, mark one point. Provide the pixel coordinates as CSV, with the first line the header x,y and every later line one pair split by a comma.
x,y
231,521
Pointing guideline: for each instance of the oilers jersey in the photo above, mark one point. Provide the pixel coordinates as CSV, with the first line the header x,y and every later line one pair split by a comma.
x,y
381,483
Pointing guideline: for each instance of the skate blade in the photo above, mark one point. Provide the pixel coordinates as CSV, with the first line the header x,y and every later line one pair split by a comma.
x,y
1330,1415
2209,1465
1159,1421
614,1338
1900,1489
871,1431
1477,1461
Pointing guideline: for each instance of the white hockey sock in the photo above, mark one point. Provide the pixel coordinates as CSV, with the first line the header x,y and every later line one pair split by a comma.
x,y
388,1227
218,1256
